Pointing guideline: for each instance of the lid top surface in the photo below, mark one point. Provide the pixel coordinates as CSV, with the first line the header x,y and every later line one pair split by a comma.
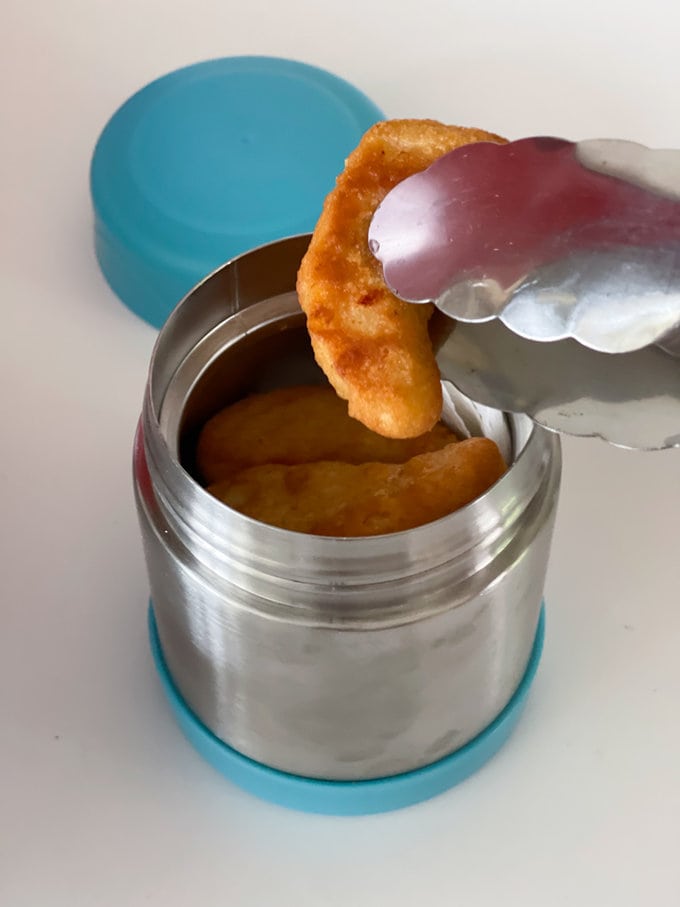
x,y
255,153
214,159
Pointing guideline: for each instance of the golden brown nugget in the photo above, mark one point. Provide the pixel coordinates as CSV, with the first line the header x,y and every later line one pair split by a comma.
x,y
299,425
340,499
374,347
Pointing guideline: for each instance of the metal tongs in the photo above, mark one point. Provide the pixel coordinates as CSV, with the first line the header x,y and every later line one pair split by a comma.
x,y
560,264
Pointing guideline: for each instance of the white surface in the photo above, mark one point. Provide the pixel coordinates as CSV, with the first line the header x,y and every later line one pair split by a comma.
x,y
102,802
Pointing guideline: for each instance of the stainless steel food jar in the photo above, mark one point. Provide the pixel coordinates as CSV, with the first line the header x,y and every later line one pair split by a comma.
x,y
329,658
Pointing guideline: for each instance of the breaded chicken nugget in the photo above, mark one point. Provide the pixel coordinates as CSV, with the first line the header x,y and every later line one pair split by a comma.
x,y
340,499
373,347
299,425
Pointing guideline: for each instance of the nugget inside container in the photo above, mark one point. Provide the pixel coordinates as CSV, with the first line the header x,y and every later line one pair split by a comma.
x,y
337,675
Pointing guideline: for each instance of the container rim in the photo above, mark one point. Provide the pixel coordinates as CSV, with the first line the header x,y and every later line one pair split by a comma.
x,y
428,546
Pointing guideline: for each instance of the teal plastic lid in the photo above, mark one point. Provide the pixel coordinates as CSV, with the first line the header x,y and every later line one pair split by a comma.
x,y
210,161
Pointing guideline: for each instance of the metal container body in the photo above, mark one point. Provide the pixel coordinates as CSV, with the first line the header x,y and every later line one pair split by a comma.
x,y
326,657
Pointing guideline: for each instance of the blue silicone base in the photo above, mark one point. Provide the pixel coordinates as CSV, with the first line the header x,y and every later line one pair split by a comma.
x,y
348,798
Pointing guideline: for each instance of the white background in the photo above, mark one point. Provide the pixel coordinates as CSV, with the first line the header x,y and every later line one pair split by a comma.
x,y
102,802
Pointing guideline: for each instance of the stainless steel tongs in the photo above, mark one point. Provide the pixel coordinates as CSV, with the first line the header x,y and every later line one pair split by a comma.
x,y
560,263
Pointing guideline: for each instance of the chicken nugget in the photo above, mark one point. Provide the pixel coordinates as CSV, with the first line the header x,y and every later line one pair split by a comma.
x,y
299,425
373,347
341,499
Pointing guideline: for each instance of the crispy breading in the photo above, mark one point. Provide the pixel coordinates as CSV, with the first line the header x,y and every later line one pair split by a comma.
x,y
299,425
374,347
340,499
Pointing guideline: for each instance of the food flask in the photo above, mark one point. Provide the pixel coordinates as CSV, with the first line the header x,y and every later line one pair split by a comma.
x,y
340,661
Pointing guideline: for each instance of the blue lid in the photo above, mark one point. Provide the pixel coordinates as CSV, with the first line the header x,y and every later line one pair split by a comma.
x,y
210,161
348,798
